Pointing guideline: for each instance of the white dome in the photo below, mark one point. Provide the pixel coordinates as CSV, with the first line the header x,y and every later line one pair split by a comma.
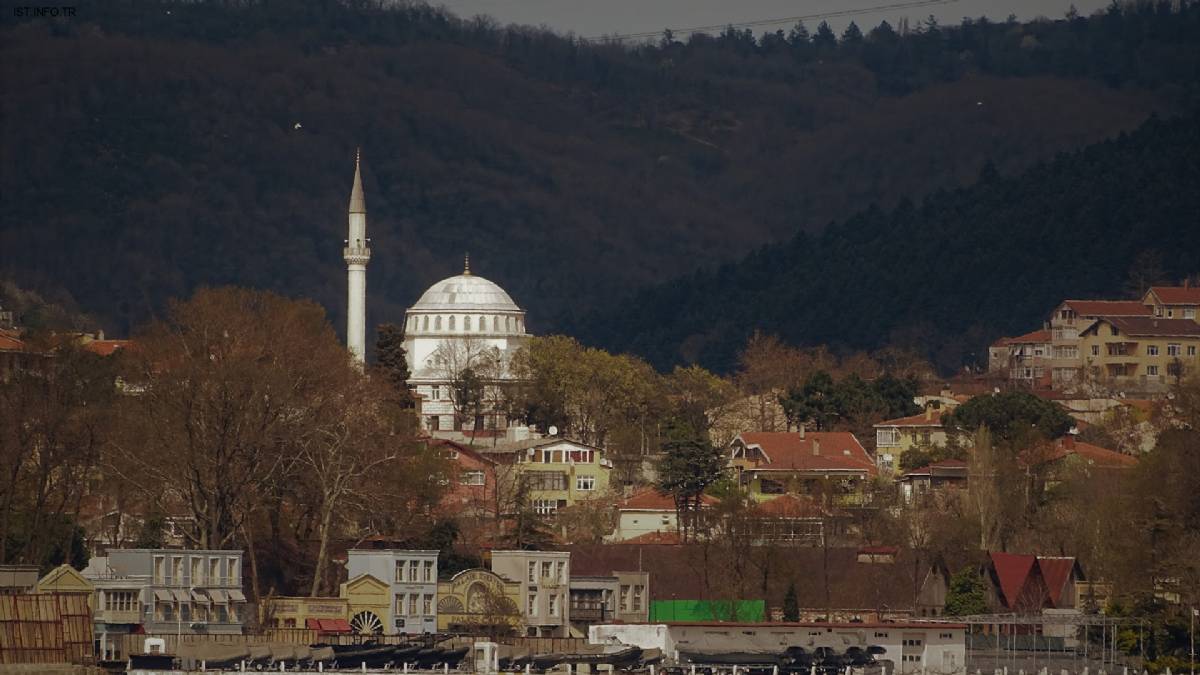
x,y
465,293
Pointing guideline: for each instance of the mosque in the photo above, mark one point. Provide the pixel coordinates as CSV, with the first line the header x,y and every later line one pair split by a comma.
x,y
461,322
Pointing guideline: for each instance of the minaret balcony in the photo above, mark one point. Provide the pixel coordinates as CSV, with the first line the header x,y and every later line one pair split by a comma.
x,y
356,255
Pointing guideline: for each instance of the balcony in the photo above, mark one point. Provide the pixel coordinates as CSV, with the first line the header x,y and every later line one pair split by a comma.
x,y
112,616
589,614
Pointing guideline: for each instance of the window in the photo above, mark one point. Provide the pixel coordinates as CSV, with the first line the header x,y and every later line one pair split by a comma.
x,y
428,572
177,570
1151,350
554,605
399,571
1191,350
946,636
532,572
495,324
437,323
1152,370
435,423
546,480
413,566
412,604
427,605
435,393
545,507
585,483
888,437
884,461
636,602
120,601
625,593
472,478
214,569
912,642
1173,349
546,569
400,603
1113,330
581,456
1189,314
197,565
466,323
160,569
508,323
452,318
561,572
1095,350
880,635
235,574
424,323
531,609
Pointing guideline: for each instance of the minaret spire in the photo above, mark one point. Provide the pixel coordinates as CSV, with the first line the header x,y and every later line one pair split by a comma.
x,y
356,254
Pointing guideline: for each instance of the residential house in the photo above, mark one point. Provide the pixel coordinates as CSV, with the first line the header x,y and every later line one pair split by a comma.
x,y
912,646
166,591
895,437
479,602
1140,354
830,465
544,577
619,596
790,519
473,480
558,472
18,579
1030,584
1174,302
1067,321
412,576
648,511
934,480
1023,359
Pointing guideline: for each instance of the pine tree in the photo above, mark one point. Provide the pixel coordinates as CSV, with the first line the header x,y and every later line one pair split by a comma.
x,y
791,604
966,594
392,359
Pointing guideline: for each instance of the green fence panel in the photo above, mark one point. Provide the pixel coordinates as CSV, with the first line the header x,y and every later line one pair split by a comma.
x,y
744,611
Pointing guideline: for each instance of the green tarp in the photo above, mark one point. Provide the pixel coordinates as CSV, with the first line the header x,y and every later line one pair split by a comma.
x,y
746,611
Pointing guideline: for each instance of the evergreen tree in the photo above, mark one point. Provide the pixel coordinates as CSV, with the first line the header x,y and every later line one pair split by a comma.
x,y
689,465
852,35
825,40
791,604
966,594
392,359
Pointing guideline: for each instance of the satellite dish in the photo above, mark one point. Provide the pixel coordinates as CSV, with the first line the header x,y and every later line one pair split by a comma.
x,y
553,430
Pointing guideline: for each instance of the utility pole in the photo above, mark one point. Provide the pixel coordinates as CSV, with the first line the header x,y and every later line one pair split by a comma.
x,y
1192,640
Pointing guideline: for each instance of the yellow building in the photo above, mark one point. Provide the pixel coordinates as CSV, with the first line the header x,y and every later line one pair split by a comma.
x,y
1174,302
479,601
327,615
1140,353
895,437
367,603
67,579
559,473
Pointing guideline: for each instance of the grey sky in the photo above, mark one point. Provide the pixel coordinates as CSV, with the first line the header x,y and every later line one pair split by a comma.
x,y
589,18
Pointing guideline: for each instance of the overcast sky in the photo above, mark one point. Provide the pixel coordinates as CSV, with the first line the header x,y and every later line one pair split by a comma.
x,y
590,18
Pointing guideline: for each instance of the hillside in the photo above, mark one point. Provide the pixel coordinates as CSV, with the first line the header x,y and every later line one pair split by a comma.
x,y
947,276
152,147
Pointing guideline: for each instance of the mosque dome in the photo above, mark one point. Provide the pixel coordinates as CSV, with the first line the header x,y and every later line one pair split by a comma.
x,y
465,293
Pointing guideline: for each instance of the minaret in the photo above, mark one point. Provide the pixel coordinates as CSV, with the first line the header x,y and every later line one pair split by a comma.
x,y
356,255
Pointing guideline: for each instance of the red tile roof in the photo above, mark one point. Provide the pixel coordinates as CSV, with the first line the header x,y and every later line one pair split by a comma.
x,y
1056,572
1012,569
651,499
11,343
1108,307
1177,295
835,451
1042,335
655,539
1068,446
105,347
933,420
1148,326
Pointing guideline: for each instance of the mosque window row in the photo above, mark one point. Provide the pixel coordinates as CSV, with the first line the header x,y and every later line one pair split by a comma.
x,y
506,324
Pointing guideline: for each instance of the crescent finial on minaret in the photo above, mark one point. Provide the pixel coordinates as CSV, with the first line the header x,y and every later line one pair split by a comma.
x,y
357,203
467,264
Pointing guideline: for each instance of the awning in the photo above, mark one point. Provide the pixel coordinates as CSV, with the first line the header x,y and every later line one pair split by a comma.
x,y
164,595
218,596
334,625
198,596
181,595
312,624
236,596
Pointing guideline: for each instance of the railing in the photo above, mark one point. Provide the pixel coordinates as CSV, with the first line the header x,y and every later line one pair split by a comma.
x,y
590,614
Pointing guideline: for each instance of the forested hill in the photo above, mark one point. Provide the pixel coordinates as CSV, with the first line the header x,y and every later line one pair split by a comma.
x,y
151,147
950,275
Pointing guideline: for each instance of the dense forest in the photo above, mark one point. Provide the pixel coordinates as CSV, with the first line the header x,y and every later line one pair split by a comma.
x,y
947,275
153,147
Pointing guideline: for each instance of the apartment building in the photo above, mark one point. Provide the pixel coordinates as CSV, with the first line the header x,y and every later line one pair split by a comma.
x,y
1140,354
558,472
412,576
1068,320
895,437
1174,302
171,591
1023,358
545,578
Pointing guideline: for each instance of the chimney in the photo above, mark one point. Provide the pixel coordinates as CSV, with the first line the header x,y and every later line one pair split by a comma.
x,y
816,447
802,431
928,413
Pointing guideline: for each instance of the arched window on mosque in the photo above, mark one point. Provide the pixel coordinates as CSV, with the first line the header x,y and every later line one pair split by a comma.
x,y
437,323
467,323
508,323
425,323
495,324
451,322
